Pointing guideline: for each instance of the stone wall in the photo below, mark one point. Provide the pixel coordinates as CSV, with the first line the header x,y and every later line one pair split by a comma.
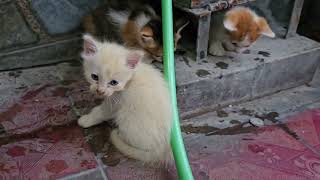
x,y
37,32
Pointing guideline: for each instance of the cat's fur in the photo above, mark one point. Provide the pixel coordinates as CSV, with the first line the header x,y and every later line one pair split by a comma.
x,y
142,27
139,104
235,30
137,26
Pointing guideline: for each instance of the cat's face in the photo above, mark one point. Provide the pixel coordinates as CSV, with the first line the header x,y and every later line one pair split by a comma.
x,y
151,38
245,27
108,67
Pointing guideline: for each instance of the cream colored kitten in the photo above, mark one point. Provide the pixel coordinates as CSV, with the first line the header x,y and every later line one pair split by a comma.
x,y
136,97
236,30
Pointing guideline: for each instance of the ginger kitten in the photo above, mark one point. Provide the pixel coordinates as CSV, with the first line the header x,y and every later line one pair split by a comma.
x,y
136,97
236,30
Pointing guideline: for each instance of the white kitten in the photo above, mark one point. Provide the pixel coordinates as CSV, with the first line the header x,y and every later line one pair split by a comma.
x,y
136,97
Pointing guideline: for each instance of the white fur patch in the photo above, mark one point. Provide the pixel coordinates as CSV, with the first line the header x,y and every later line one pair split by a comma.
x,y
118,18
151,10
268,34
142,20
228,24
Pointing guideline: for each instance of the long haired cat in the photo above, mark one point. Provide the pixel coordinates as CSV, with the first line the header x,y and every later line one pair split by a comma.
x,y
137,26
235,30
136,97
142,27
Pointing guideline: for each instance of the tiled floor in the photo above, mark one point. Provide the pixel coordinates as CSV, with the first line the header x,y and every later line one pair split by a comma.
x,y
272,152
39,139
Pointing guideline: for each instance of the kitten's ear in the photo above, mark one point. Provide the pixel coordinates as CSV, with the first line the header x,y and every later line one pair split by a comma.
x,y
90,46
147,36
230,23
177,35
265,28
133,58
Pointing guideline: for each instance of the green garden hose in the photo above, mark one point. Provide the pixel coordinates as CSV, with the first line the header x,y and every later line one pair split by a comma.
x,y
178,149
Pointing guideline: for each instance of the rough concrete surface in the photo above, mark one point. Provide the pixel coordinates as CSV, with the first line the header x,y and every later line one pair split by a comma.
x,y
13,29
267,67
60,17
43,54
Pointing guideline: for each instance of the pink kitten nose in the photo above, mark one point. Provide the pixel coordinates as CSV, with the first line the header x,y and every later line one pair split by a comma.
x,y
100,92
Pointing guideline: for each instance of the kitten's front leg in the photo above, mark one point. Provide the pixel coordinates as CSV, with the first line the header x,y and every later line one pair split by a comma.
x,y
216,49
96,116
229,46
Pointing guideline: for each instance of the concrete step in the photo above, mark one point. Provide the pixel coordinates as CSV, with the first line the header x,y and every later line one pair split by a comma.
x,y
278,107
267,67
225,140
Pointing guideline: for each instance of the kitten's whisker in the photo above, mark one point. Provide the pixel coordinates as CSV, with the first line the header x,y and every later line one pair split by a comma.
x,y
116,100
109,102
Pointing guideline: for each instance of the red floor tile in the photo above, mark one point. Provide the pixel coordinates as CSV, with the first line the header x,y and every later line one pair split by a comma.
x,y
38,107
270,153
41,138
51,154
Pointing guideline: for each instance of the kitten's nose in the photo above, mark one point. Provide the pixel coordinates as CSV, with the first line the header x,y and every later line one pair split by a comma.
x,y
99,92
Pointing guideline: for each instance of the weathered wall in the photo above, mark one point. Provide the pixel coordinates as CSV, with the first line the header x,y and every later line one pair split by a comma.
x,y
277,12
310,25
34,32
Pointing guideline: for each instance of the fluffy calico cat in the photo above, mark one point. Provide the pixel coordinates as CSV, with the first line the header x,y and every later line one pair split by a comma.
x,y
142,27
235,30
136,97
137,26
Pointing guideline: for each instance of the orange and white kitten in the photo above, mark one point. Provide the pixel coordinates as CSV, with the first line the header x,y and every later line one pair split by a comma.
x,y
236,30
136,98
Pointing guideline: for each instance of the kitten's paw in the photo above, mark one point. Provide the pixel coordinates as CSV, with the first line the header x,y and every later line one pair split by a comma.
x,y
216,49
239,50
230,47
85,121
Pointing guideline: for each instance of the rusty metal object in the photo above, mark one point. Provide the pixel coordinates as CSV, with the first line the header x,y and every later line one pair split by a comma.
x,y
215,4
192,3
226,4
35,26
295,18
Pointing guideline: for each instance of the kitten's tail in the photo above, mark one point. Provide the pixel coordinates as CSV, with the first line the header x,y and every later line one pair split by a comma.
x,y
145,156
119,18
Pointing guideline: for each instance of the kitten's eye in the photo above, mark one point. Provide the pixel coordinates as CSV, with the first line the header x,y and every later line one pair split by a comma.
x,y
95,77
113,82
